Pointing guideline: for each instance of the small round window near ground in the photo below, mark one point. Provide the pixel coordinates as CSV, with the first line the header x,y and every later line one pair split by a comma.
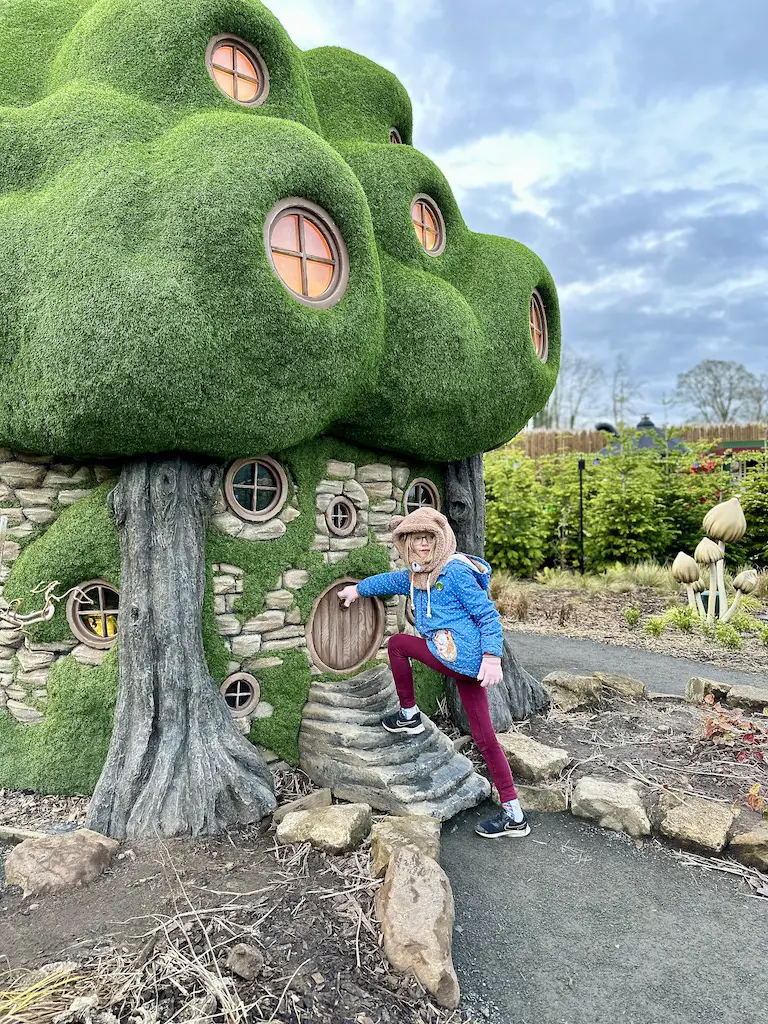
x,y
428,224
395,137
92,611
256,489
241,692
422,494
538,318
307,252
238,69
341,517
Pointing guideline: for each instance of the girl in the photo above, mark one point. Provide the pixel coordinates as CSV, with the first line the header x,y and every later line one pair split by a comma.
x,y
460,636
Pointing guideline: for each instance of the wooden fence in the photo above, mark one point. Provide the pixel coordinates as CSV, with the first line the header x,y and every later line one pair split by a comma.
x,y
552,442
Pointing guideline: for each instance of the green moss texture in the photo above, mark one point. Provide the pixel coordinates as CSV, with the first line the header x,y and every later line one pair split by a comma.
x,y
140,312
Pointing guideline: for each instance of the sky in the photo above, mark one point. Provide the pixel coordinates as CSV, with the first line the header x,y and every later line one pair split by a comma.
x,y
625,141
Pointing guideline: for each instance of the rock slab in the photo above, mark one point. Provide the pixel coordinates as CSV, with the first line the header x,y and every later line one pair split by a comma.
x,y
694,823
751,848
530,759
538,799
614,685
613,805
750,698
59,862
336,829
570,692
413,831
415,909
317,798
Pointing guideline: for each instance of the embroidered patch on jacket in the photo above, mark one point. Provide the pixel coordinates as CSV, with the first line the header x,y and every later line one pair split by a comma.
x,y
445,644
439,586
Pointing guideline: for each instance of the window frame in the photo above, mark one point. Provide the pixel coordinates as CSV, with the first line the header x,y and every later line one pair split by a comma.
x,y
397,141
430,485
322,219
75,617
253,55
335,531
253,701
424,199
276,505
538,302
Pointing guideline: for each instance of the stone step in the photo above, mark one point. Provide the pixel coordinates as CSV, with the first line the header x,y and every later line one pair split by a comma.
x,y
367,684
395,749
335,699
434,787
472,791
401,763
350,716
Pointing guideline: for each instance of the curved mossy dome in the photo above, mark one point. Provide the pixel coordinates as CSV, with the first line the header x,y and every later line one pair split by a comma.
x,y
140,311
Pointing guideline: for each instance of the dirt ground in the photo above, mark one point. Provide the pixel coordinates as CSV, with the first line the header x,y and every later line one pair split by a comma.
x,y
151,938
599,616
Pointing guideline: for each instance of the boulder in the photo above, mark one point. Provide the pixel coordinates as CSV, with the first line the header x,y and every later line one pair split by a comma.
x,y
749,698
614,805
569,692
530,759
538,799
415,909
59,862
697,688
310,802
415,831
751,848
620,686
336,829
694,822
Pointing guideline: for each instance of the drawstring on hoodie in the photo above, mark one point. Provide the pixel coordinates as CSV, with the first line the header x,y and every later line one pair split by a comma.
x,y
415,567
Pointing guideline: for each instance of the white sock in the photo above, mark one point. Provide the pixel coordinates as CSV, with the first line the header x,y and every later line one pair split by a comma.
x,y
410,712
514,810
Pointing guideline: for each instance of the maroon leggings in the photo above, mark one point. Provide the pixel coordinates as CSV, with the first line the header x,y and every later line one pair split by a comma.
x,y
401,648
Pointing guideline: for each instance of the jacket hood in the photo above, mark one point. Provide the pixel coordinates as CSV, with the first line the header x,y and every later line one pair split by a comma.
x,y
425,520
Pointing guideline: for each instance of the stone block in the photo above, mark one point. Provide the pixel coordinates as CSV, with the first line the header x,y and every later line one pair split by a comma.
x,y
322,501
613,805
295,579
31,660
285,633
57,478
52,863
233,666
330,487
569,692
356,493
223,584
418,832
310,802
220,605
290,644
271,530
320,543
36,678
14,516
229,625
289,514
86,655
246,645
228,523
25,529
378,491
266,621
751,848
340,470
6,653
263,710
21,474
693,822
293,617
11,552
260,663
347,543
333,557
231,570
698,687
40,516
530,759
71,497
374,473
388,507
400,475
280,599
23,713
10,637
749,698
620,686
36,496
336,829
419,942
537,799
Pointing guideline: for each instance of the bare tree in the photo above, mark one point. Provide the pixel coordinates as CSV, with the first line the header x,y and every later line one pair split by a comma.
x,y
720,390
754,407
579,379
625,389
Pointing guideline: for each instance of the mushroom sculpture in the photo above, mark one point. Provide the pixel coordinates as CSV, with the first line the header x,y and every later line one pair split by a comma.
x,y
726,524
686,571
744,583
709,553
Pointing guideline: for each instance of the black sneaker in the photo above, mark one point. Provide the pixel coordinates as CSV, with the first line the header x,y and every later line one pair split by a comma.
x,y
502,825
399,723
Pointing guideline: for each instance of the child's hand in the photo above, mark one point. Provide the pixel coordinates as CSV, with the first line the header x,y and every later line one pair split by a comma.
x,y
490,673
348,594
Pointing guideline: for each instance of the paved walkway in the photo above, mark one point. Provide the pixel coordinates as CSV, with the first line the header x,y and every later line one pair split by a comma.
x,y
544,654
581,927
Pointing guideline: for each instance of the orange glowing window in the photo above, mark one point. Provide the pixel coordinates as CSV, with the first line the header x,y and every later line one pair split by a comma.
x,y
238,70
428,222
304,253
539,327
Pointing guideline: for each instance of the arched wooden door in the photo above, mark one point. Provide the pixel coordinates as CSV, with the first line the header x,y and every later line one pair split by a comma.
x,y
342,639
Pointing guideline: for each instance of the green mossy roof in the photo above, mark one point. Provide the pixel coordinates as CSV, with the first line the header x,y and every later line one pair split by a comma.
x,y
140,312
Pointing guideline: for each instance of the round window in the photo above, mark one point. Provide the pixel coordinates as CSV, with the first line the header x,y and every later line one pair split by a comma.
x,y
238,70
539,327
92,611
307,252
429,225
241,692
422,494
341,516
256,489
395,137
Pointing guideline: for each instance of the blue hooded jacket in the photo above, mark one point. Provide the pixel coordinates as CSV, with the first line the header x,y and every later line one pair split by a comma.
x,y
455,615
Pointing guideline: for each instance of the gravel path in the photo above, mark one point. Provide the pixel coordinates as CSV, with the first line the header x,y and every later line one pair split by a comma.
x,y
581,927
541,654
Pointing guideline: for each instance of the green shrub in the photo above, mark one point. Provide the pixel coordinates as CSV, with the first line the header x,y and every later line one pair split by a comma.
x,y
632,615
515,531
684,618
655,625
727,635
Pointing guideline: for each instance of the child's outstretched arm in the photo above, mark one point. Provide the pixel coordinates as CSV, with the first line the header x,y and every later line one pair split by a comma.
x,y
381,585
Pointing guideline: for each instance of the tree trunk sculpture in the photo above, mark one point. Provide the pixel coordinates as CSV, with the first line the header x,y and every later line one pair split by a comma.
x,y
177,764
518,694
